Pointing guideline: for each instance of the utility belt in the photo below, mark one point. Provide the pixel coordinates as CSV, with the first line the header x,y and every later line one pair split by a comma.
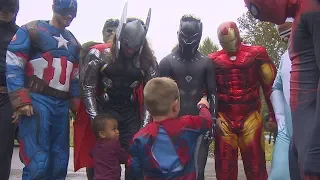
x,y
3,84
37,85
3,80
116,100
3,90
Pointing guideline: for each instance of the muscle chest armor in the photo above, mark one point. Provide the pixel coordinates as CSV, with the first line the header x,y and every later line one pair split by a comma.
x,y
238,82
190,77
119,79
54,55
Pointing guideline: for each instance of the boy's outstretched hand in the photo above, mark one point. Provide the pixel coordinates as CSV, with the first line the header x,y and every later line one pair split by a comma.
x,y
204,101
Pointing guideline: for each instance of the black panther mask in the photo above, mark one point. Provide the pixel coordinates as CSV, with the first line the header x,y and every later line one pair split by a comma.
x,y
189,35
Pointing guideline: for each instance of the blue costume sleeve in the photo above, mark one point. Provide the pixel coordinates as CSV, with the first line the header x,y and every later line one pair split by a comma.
x,y
134,162
74,86
277,84
16,59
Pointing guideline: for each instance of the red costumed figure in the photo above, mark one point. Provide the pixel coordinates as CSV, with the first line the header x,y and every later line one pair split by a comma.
x,y
241,71
304,51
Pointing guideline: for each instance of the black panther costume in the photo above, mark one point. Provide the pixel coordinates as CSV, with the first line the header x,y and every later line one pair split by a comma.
x,y
7,31
194,74
113,79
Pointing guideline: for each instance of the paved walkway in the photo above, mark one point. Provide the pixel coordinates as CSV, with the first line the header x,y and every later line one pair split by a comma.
x,y
81,175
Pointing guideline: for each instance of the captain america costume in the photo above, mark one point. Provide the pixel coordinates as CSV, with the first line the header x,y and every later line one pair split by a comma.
x,y
42,71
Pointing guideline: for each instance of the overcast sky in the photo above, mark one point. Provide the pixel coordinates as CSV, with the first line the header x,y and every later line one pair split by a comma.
x,y
164,24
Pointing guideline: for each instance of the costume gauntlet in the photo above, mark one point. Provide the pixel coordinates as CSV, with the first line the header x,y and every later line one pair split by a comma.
x,y
151,72
88,81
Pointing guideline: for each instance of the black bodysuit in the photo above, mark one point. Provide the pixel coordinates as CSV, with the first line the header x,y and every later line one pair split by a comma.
x,y
7,31
194,76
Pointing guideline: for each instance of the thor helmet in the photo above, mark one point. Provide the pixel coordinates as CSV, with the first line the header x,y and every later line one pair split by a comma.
x,y
131,35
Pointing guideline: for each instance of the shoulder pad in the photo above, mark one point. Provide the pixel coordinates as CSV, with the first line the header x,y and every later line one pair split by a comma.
x,y
32,28
214,55
32,24
258,52
101,47
20,42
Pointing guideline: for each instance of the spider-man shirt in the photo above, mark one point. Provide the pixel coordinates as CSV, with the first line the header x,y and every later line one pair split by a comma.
x,y
167,149
304,52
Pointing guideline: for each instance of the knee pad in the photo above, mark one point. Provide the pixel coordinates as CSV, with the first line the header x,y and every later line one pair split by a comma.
x,y
60,166
39,165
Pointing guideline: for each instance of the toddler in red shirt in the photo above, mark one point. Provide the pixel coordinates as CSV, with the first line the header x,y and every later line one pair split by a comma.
x,y
107,153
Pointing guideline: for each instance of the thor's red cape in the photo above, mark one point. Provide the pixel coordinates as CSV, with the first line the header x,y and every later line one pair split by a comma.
x,y
84,139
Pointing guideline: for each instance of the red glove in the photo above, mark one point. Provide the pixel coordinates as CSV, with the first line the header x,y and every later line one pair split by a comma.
x,y
74,104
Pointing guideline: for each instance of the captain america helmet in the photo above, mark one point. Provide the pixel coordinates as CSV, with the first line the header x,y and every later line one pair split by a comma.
x,y
65,7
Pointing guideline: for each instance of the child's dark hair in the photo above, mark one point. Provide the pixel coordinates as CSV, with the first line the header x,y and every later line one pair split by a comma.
x,y
98,123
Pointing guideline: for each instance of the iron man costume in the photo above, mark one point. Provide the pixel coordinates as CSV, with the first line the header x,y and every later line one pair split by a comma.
x,y
304,46
241,70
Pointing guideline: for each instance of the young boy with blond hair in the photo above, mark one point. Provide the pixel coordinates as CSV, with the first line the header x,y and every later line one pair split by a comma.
x,y
166,148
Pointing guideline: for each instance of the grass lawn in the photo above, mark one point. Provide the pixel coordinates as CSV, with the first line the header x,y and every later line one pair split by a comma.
x,y
268,147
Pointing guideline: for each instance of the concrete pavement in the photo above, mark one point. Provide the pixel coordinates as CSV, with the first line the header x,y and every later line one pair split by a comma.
x,y
81,175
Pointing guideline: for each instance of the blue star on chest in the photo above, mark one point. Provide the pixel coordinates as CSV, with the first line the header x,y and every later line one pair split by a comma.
x,y
61,41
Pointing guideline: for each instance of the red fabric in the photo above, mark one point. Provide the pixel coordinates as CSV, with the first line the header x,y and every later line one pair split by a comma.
x,y
84,139
240,96
75,104
24,95
238,83
186,130
271,10
139,97
25,159
101,47
311,177
108,155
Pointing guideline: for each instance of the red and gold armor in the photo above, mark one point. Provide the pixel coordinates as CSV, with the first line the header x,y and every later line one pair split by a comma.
x,y
229,37
241,71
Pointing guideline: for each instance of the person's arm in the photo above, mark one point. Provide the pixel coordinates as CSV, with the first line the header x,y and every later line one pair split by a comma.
x,y
165,68
122,155
268,73
74,86
16,59
203,122
277,98
134,162
211,88
89,81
